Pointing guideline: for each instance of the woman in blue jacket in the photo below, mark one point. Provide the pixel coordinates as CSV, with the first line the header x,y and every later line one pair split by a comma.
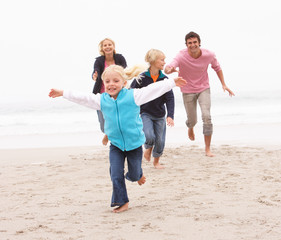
x,y
108,57
123,125
153,113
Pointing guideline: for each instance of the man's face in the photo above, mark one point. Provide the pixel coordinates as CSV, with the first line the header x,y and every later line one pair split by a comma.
x,y
193,45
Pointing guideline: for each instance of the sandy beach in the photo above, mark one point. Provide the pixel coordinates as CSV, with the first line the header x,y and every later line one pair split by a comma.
x,y
64,193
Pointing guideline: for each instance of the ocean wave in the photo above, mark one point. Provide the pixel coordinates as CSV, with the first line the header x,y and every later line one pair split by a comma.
x,y
60,116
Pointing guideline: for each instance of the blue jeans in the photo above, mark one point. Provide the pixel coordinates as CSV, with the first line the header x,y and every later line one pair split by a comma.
x,y
117,165
155,133
101,120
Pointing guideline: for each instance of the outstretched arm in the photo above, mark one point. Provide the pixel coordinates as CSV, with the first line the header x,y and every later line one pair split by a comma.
x,y
155,90
85,99
169,70
55,93
224,87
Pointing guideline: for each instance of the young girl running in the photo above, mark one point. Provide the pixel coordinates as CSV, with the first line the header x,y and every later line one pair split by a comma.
x,y
123,125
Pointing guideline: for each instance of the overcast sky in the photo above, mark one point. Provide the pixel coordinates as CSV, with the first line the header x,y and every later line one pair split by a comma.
x,y
53,43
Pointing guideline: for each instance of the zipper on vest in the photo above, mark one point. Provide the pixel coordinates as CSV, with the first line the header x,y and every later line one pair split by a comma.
x,y
120,126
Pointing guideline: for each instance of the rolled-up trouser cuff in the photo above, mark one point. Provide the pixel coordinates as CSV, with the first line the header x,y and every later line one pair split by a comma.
x,y
147,146
207,129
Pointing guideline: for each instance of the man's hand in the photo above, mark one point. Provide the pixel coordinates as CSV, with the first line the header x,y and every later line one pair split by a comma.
x,y
170,70
225,88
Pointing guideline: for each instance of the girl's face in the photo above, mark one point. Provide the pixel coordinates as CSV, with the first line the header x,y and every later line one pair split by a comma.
x,y
107,47
113,83
159,63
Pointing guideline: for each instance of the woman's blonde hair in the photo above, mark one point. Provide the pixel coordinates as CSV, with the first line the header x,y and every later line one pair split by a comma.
x,y
127,73
152,55
101,44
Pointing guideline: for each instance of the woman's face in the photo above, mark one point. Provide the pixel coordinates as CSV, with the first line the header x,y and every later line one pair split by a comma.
x,y
107,47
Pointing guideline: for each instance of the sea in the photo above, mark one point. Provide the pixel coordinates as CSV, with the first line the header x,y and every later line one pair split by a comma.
x,y
56,117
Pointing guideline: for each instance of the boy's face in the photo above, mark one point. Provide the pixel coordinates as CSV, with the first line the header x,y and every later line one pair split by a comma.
x,y
193,45
113,83
159,63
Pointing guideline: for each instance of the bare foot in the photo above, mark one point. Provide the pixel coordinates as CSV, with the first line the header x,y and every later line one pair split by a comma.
x,y
156,163
121,208
158,166
147,154
105,140
208,153
142,180
191,134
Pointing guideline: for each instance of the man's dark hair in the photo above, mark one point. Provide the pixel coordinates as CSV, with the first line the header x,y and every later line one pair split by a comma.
x,y
192,35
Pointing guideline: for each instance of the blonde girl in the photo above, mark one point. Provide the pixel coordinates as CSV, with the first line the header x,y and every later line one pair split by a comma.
x,y
121,108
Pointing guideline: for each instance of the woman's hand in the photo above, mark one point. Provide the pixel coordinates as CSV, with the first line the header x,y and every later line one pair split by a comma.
x,y
95,75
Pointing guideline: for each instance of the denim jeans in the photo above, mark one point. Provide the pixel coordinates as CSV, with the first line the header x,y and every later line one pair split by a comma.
x,y
101,120
190,103
117,167
155,133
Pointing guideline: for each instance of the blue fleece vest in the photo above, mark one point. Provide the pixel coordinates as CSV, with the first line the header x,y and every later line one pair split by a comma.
x,y
123,124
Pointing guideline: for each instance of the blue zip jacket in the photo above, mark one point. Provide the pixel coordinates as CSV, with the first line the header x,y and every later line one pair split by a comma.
x,y
123,124
156,107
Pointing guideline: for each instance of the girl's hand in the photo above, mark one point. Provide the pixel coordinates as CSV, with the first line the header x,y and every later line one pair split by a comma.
x,y
55,93
95,75
180,82
170,121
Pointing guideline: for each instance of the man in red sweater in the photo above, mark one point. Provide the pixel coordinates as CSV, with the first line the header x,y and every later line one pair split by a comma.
x,y
193,63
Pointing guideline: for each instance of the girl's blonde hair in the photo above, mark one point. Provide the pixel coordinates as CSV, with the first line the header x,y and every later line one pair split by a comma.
x,y
152,55
101,44
127,73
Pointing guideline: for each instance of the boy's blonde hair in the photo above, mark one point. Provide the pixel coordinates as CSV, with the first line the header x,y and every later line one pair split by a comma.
x,y
152,55
101,44
127,73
